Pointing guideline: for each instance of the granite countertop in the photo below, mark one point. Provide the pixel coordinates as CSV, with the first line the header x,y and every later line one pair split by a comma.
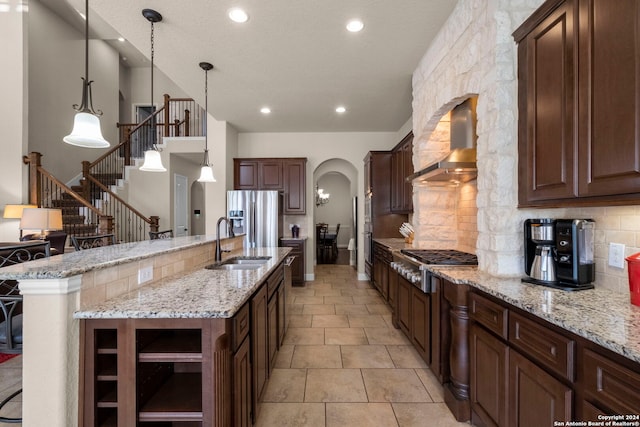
x,y
394,243
78,262
599,315
200,294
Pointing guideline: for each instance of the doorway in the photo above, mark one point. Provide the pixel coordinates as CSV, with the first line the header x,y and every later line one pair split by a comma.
x,y
180,205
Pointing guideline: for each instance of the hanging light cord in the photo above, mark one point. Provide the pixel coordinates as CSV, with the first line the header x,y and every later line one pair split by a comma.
x,y
86,105
206,117
153,118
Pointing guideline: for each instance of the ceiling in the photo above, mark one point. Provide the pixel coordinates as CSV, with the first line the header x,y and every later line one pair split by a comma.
x,y
295,57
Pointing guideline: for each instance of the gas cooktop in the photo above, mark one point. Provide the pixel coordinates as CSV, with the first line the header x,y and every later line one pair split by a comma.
x,y
441,256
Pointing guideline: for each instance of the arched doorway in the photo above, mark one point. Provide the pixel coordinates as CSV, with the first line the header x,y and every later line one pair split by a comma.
x,y
339,178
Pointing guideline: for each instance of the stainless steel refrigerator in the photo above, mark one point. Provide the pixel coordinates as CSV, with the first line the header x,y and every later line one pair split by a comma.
x,y
258,215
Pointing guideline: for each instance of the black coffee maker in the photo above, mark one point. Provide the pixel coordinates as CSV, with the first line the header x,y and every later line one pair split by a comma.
x,y
559,253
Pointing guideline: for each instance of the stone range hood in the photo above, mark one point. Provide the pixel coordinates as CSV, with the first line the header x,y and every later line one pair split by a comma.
x,y
460,164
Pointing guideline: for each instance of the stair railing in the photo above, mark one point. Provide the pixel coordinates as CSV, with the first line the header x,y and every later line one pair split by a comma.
x,y
46,191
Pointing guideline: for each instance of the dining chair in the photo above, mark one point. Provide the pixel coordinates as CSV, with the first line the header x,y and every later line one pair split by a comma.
x,y
89,242
11,303
155,235
58,240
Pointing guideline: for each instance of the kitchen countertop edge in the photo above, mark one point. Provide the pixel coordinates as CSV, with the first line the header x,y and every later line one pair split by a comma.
x,y
598,315
200,294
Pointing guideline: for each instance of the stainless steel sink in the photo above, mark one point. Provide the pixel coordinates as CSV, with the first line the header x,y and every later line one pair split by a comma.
x,y
247,260
235,267
240,263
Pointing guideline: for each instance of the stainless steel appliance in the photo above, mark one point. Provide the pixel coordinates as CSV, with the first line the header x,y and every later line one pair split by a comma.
x,y
559,253
542,234
257,215
412,264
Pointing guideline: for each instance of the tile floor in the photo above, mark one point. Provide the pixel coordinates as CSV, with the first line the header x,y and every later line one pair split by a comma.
x,y
344,364
10,381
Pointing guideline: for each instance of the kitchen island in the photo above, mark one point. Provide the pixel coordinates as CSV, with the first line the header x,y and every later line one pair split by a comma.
x,y
60,290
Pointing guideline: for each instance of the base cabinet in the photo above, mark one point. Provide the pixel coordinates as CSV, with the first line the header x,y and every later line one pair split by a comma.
x,y
535,397
207,372
297,267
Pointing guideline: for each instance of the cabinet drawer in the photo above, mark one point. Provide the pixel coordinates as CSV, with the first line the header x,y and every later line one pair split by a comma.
x,y
241,326
611,384
548,347
489,314
274,281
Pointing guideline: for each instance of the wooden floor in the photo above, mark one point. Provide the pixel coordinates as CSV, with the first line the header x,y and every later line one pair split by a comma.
x,y
343,257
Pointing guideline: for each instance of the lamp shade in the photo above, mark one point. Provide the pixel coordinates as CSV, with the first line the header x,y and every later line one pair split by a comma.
x,y
42,219
152,162
15,211
86,132
206,174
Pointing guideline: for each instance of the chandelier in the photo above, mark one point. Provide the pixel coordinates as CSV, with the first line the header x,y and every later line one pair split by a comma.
x,y
321,197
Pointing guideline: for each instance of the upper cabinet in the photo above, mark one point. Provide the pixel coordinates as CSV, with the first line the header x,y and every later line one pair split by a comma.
x,y
401,167
287,175
579,103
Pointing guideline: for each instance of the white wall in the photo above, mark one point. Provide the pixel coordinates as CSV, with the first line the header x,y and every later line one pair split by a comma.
x,y
475,53
56,65
13,116
317,148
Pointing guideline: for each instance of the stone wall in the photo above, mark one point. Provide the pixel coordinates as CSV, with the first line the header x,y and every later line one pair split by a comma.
x,y
474,53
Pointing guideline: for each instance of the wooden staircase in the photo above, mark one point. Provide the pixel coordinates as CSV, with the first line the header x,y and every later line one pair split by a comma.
x,y
93,207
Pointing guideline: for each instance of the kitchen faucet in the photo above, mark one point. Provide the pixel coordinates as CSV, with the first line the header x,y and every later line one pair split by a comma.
x,y
229,234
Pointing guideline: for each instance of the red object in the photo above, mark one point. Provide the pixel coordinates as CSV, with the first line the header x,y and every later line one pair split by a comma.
x,y
634,278
4,356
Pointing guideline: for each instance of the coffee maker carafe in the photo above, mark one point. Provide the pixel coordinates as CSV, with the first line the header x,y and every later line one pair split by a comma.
x,y
540,249
559,253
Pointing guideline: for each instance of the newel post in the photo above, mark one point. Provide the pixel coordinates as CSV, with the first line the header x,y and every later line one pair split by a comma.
x,y
155,221
86,186
187,124
35,188
167,98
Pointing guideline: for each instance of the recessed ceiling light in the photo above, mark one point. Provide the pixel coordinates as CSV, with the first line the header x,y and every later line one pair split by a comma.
x,y
238,15
340,109
121,39
355,25
265,110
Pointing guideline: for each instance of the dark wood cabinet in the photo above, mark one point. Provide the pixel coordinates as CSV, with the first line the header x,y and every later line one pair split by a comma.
x,y
535,397
270,174
381,267
241,391
287,175
609,387
295,200
156,370
273,341
297,267
259,347
489,374
421,323
401,167
405,292
245,174
579,103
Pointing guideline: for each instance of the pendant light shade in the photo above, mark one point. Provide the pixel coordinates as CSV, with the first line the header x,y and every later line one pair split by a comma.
x,y
152,159
86,125
86,132
152,162
206,172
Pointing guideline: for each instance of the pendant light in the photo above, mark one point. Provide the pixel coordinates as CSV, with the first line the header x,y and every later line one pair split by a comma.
x,y
152,160
86,124
206,173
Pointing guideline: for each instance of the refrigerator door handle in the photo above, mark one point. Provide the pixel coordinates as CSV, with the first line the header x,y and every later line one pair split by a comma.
x,y
252,229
